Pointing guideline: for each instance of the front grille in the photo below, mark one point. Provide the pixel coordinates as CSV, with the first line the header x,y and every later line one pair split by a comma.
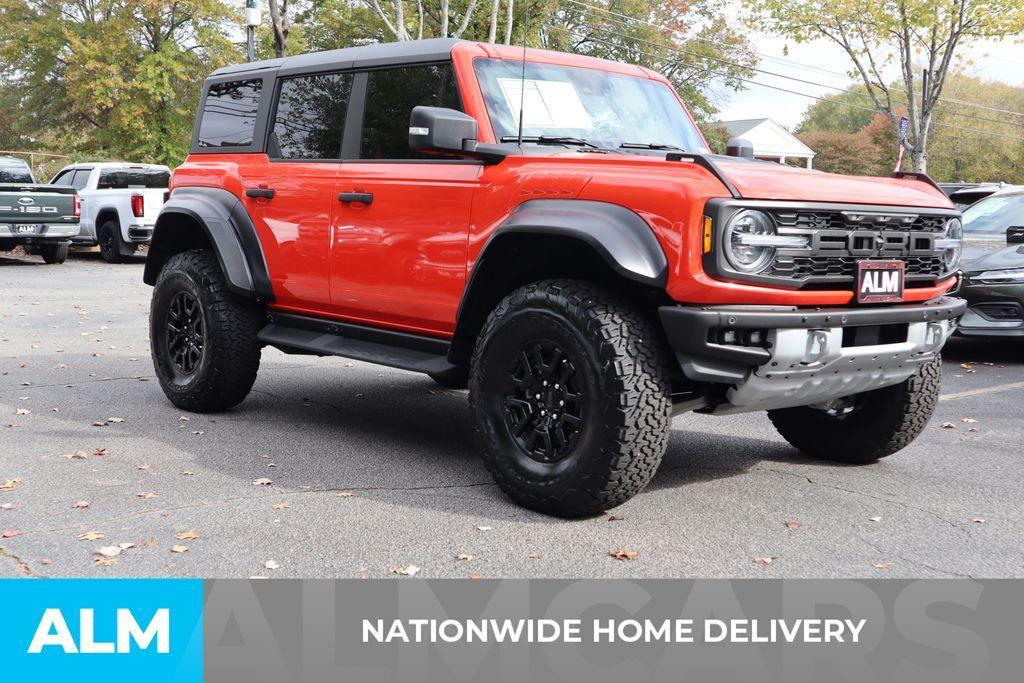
x,y
841,238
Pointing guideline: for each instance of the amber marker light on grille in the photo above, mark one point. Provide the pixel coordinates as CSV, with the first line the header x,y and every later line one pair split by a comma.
x,y
707,234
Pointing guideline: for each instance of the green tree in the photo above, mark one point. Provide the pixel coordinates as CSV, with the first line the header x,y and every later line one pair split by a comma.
x,y
114,78
911,36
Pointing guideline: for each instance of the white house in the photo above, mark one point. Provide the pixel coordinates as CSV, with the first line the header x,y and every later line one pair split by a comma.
x,y
770,140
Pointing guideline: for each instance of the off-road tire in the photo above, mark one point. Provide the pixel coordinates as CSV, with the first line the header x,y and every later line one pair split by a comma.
x,y
108,236
54,253
231,352
885,421
623,366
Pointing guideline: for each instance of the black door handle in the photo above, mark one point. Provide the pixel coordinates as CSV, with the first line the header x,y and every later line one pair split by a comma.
x,y
266,193
361,197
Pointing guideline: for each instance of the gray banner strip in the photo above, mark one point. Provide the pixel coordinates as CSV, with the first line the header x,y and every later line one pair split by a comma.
x,y
932,631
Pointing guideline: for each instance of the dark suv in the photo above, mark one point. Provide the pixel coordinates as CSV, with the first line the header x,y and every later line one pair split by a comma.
x,y
552,230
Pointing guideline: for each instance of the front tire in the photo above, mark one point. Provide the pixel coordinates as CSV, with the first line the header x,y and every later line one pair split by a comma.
x,y
54,253
570,394
203,338
865,427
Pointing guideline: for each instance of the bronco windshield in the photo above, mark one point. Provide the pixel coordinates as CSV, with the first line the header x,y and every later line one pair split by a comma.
x,y
603,109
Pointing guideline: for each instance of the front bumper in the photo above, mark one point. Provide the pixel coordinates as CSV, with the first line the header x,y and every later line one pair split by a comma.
x,y
43,232
993,311
803,356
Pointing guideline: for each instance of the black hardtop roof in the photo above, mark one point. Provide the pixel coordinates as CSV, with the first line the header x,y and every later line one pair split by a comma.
x,y
364,56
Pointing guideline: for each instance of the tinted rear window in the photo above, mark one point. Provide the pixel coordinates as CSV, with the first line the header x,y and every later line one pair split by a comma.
x,y
15,173
310,117
123,179
229,114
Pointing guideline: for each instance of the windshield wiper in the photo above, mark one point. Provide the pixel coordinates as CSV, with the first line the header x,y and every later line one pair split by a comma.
x,y
551,140
650,145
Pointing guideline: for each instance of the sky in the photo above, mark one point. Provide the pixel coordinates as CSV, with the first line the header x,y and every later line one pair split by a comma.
x,y
994,60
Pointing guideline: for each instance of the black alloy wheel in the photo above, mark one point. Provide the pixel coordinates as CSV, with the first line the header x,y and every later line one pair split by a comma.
x,y
545,402
185,332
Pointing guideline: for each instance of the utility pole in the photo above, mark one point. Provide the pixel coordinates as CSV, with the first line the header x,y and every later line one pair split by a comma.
x,y
252,20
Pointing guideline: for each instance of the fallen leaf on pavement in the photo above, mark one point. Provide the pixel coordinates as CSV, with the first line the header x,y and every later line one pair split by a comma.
x,y
46,562
190,535
280,506
533,556
792,525
475,576
262,482
948,425
346,494
104,561
271,564
484,528
142,468
145,495
973,429
978,520
466,557
881,565
614,518
179,548
411,570
91,536
109,550
969,420
764,561
7,506
22,411
115,420
10,533
98,423
80,505
9,484
77,455
189,473
623,554
100,451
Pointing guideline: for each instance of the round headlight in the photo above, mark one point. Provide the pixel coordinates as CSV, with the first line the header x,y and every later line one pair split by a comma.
x,y
951,245
741,243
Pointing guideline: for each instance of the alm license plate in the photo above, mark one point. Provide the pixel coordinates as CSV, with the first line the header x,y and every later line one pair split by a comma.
x,y
29,229
880,281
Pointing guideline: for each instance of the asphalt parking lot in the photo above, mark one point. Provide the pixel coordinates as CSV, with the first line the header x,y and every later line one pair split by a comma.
x,y
374,469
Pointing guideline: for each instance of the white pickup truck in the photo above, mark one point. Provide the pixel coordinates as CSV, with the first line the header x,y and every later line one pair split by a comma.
x,y
120,203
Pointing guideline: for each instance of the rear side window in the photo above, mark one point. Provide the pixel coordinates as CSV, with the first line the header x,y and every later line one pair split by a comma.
x,y
130,178
390,97
81,178
229,114
310,117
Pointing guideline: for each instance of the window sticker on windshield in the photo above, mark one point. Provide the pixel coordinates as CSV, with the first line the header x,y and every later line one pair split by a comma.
x,y
546,103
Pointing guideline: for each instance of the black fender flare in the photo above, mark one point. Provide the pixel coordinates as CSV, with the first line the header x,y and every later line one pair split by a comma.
x,y
229,230
620,237
623,239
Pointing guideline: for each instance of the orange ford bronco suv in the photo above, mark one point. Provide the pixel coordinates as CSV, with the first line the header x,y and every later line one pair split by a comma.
x,y
553,231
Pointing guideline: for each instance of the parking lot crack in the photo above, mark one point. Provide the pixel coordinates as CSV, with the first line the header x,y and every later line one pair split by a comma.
x,y
913,562
18,562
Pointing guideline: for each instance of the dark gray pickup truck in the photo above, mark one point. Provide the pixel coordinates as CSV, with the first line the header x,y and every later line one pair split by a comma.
x,y
40,218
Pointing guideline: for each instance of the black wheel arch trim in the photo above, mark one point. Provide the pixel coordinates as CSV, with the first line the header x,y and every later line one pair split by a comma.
x,y
228,228
623,239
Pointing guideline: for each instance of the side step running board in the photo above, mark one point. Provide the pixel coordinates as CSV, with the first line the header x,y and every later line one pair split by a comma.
x,y
316,336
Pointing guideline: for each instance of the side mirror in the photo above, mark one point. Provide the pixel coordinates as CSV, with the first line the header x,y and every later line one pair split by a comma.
x,y
738,147
447,131
1015,234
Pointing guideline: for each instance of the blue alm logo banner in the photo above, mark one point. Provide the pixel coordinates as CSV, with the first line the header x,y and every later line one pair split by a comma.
x,y
102,629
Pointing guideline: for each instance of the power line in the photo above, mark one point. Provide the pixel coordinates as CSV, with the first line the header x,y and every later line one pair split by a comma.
x,y
848,105
965,103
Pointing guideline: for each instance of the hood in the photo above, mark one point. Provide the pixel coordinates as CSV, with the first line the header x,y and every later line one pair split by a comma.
x,y
983,253
768,180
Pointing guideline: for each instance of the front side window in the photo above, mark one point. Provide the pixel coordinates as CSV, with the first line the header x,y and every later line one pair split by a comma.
x,y
310,117
390,97
229,114
133,178
995,214
606,109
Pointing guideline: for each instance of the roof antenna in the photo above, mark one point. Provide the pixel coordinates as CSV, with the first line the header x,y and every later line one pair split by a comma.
x,y
522,78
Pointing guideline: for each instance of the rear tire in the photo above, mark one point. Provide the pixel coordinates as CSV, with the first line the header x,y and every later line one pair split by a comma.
x,y
203,338
109,238
880,423
572,361
54,253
